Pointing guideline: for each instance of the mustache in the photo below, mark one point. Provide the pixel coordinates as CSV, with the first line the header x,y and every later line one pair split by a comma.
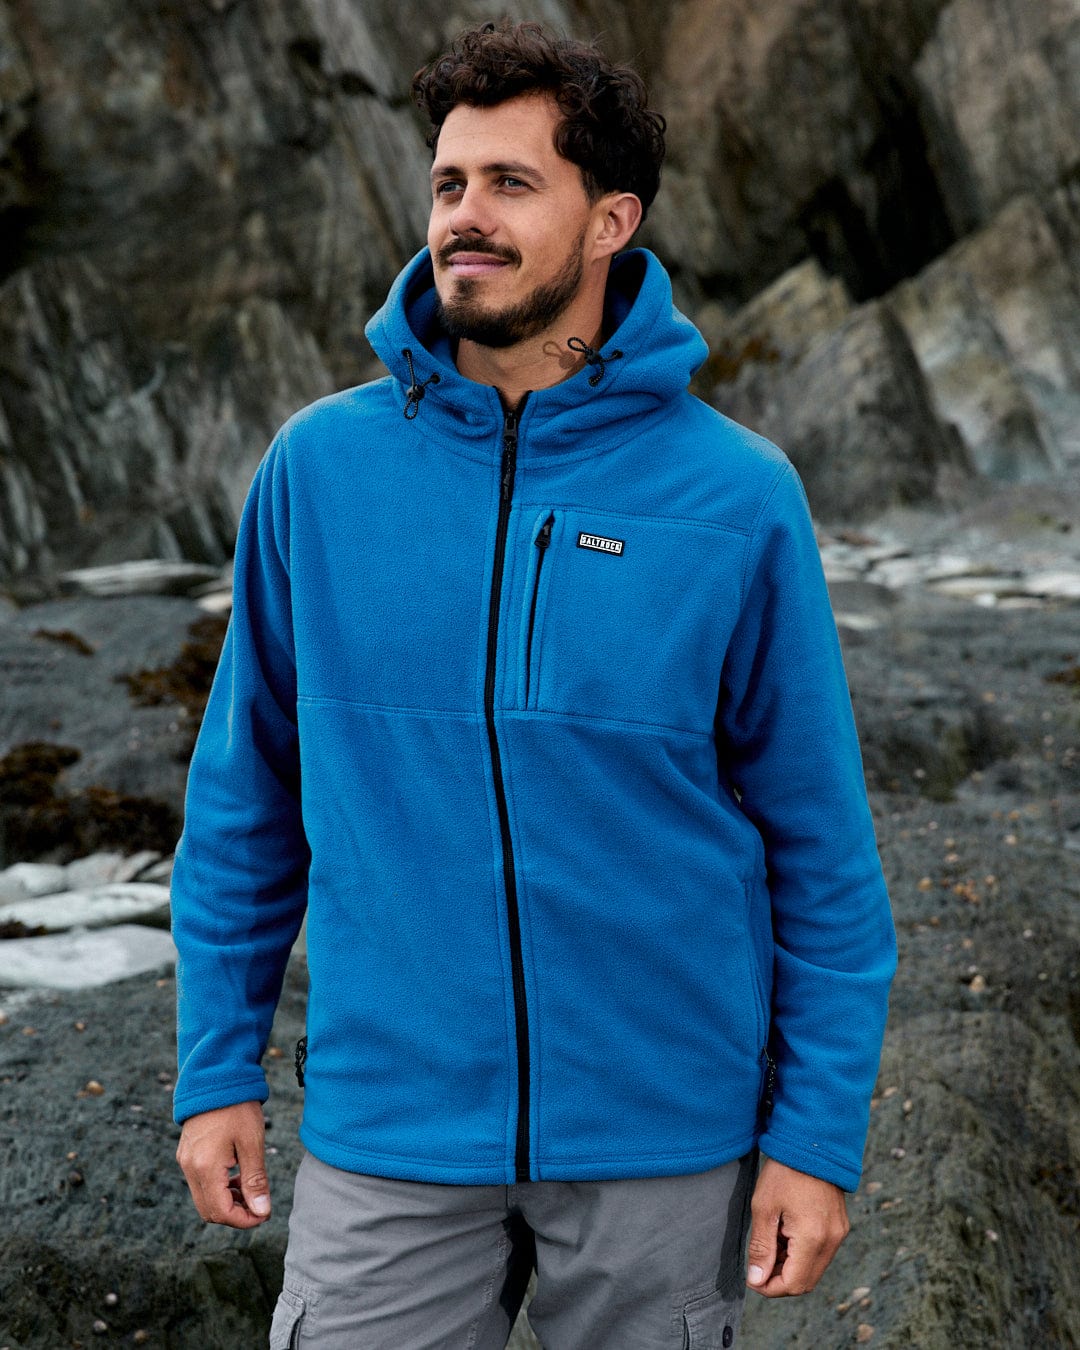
x,y
509,255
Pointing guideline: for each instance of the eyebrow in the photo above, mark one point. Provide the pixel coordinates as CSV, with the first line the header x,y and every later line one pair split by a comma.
x,y
514,168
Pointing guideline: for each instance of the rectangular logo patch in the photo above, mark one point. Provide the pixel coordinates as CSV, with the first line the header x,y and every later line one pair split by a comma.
x,y
598,542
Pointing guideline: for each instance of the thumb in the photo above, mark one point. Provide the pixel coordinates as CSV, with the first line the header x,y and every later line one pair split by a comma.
x,y
761,1249
254,1183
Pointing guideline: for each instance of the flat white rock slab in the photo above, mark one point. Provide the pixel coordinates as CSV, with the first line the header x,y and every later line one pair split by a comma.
x,y
20,881
84,960
1056,585
94,907
971,587
143,576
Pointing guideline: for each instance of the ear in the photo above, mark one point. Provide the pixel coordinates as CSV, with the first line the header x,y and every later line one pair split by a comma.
x,y
617,216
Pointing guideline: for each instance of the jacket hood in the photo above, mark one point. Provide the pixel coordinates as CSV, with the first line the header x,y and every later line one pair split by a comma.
x,y
659,351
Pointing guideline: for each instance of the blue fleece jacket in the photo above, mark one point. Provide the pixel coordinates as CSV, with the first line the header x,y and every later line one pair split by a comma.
x,y
545,726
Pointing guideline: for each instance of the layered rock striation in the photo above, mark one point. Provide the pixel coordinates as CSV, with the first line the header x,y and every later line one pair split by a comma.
x,y
201,202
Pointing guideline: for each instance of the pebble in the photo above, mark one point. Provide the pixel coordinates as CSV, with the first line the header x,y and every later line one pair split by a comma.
x,y
94,1089
864,1333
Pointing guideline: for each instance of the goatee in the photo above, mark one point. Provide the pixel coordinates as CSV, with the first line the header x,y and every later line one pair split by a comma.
x,y
465,316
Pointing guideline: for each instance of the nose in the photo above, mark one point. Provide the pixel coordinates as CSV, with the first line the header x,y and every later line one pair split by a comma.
x,y
471,214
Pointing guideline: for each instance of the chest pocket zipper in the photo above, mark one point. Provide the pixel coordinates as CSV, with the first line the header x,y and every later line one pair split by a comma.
x,y
542,542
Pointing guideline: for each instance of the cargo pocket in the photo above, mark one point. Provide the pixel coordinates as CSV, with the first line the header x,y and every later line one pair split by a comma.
x,y
710,1323
286,1328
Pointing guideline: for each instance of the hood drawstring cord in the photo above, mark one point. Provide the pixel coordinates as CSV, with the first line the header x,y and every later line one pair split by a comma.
x,y
593,358
415,391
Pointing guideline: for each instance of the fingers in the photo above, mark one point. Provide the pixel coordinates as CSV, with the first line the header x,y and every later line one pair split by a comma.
x,y
762,1249
254,1183
798,1224
212,1145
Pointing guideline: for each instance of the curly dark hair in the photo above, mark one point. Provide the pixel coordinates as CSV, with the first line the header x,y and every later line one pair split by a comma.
x,y
607,130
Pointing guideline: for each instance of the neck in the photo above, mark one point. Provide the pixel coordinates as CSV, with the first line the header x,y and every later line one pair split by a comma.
x,y
541,361
537,363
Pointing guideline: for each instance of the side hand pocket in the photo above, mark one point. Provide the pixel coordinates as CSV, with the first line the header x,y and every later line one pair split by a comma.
x,y
710,1323
286,1328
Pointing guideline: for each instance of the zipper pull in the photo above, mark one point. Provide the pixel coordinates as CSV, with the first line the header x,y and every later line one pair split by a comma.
x,y
300,1059
507,474
544,537
509,451
769,1093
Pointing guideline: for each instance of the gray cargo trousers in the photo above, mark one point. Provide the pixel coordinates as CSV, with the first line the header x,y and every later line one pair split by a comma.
x,y
643,1264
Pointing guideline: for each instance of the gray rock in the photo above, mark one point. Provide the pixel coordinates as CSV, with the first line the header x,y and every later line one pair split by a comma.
x,y
997,83
116,445
995,324
851,409
84,960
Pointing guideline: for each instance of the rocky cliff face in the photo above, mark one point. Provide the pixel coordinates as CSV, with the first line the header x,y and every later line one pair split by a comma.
x,y
201,201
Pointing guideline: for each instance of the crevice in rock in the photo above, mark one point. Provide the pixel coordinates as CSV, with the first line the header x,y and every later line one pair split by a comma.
x,y
905,224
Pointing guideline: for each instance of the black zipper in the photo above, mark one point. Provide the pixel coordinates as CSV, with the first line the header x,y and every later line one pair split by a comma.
x,y
517,970
543,539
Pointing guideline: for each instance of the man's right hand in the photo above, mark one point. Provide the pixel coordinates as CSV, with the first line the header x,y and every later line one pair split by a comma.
x,y
211,1146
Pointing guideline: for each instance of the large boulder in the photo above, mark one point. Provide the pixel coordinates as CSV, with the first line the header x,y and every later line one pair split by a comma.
x,y
114,445
995,324
840,389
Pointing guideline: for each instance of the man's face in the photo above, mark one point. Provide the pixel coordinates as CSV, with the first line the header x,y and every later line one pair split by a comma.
x,y
509,220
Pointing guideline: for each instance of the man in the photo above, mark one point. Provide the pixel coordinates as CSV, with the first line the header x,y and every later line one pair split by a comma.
x,y
532,697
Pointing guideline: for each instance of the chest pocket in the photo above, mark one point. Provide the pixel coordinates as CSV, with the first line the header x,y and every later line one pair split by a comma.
x,y
626,617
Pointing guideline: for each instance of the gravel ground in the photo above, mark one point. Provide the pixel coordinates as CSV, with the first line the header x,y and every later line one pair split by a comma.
x,y
965,1229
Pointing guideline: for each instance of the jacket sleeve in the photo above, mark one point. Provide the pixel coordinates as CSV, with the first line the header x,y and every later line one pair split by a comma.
x,y
239,882
787,728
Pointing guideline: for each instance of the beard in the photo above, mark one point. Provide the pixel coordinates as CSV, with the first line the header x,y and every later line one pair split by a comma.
x,y
464,315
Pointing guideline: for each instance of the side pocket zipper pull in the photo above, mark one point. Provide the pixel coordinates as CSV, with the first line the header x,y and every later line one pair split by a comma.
x,y
300,1059
543,539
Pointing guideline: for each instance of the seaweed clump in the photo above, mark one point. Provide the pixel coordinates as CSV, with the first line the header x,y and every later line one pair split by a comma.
x,y
187,680
39,819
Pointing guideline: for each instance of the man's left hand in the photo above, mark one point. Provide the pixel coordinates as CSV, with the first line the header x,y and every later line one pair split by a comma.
x,y
798,1222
